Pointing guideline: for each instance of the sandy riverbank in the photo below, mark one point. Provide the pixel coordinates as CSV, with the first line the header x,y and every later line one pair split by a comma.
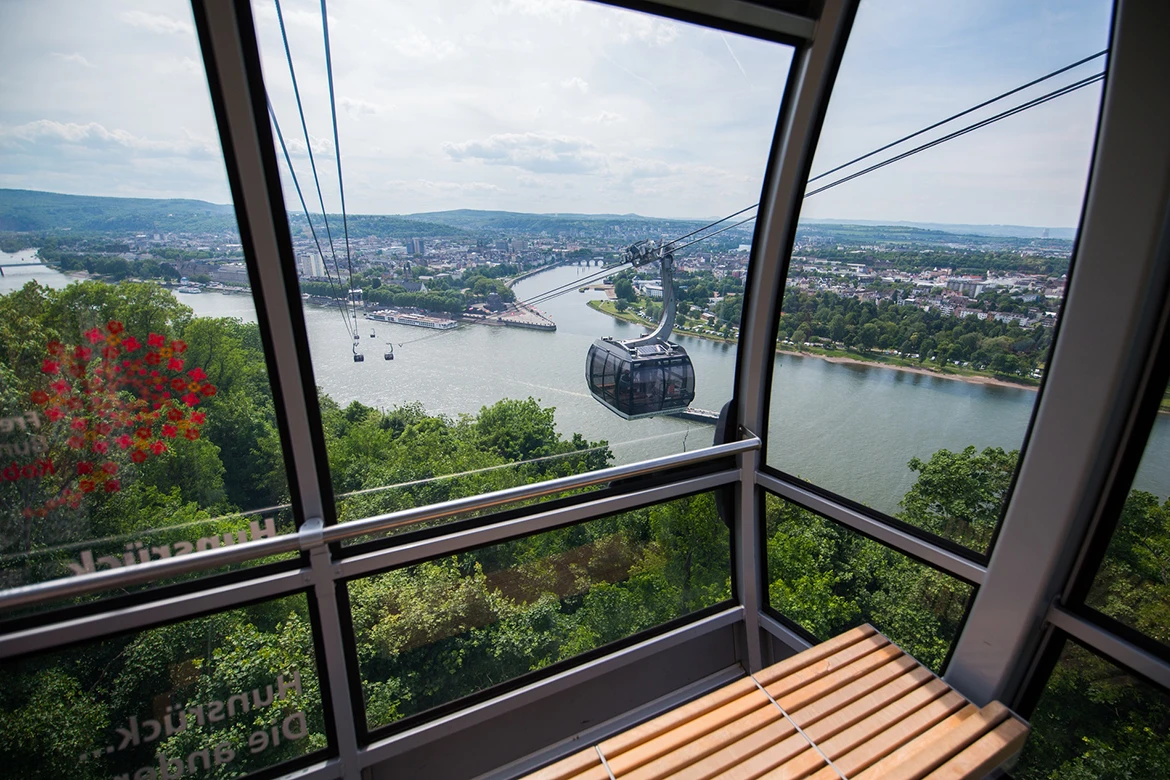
x,y
968,378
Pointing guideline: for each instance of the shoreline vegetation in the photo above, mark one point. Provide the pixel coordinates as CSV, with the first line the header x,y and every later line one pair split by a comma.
x,y
840,356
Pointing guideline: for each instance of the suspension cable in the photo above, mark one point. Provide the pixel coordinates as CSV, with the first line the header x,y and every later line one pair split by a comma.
x,y
305,208
953,117
337,154
970,128
309,146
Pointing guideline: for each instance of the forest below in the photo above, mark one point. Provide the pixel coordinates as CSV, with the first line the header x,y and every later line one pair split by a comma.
x,y
161,428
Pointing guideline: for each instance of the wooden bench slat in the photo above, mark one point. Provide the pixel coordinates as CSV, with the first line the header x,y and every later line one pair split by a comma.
x,y
813,654
570,766
765,721
988,752
915,713
846,716
855,704
686,732
810,673
938,745
619,743
808,694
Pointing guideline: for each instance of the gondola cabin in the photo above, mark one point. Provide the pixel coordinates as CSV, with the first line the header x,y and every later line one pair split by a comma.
x,y
640,380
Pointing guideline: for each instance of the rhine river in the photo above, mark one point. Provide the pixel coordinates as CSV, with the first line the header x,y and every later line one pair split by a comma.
x,y
849,428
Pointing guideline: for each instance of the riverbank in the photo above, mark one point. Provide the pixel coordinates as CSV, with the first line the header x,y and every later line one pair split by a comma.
x,y
607,307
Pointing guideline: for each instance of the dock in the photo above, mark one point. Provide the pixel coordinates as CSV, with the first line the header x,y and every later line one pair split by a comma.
x,y
698,415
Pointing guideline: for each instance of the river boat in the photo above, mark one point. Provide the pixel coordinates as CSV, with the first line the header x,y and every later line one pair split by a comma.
x,y
189,290
414,320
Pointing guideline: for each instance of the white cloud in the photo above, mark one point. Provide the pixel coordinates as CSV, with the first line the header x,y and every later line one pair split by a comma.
x,y
95,136
74,58
535,152
576,82
322,147
157,23
416,44
606,118
356,107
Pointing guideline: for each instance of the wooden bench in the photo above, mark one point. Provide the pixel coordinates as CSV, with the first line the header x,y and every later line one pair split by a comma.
x,y
855,707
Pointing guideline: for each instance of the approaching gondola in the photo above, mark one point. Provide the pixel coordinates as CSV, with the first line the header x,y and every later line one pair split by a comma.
x,y
646,376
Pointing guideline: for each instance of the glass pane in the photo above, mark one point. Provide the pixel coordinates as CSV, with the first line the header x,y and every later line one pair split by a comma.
x,y
828,579
493,153
1096,721
219,696
923,294
1133,583
136,417
488,616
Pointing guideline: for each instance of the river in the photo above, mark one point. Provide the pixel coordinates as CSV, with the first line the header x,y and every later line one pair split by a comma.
x,y
850,428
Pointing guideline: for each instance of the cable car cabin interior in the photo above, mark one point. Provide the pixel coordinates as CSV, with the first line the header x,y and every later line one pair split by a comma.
x,y
640,381
276,575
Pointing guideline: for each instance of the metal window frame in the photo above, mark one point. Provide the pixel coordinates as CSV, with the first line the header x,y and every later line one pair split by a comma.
x,y
1066,469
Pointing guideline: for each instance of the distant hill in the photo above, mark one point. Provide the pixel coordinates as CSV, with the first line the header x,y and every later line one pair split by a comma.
x,y
32,211
1000,231
557,223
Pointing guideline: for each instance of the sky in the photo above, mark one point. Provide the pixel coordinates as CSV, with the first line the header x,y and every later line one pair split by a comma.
x,y
554,106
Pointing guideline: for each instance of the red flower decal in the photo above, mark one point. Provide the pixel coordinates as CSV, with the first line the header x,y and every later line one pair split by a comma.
x,y
101,446
170,431
86,485
110,467
82,353
94,336
155,340
85,467
198,417
50,366
130,344
175,364
123,441
76,442
79,424
112,486
115,327
55,347
179,346
39,397
198,374
191,433
190,399
158,448
138,456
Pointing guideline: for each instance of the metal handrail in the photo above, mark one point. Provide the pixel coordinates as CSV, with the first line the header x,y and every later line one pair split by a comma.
x,y
312,535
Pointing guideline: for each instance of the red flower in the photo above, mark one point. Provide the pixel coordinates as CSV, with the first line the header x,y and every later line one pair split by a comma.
x,y
79,424
178,384
55,347
60,387
190,399
158,448
197,374
109,353
112,486
82,353
130,344
54,413
170,431
73,403
138,456
77,370
209,390
103,428
143,433
115,327
175,364
39,397
84,467
101,446
75,442
86,485
50,366
197,418
110,467
155,340
153,359
191,433
174,415
179,346
94,335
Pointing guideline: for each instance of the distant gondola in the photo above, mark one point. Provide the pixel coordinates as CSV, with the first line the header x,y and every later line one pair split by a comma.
x,y
646,376
389,355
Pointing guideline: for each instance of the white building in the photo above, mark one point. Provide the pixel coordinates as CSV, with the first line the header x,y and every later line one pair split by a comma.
x,y
312,266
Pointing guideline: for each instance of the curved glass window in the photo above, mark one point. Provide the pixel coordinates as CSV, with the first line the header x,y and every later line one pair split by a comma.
x,y
137,421
926,279
498,160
